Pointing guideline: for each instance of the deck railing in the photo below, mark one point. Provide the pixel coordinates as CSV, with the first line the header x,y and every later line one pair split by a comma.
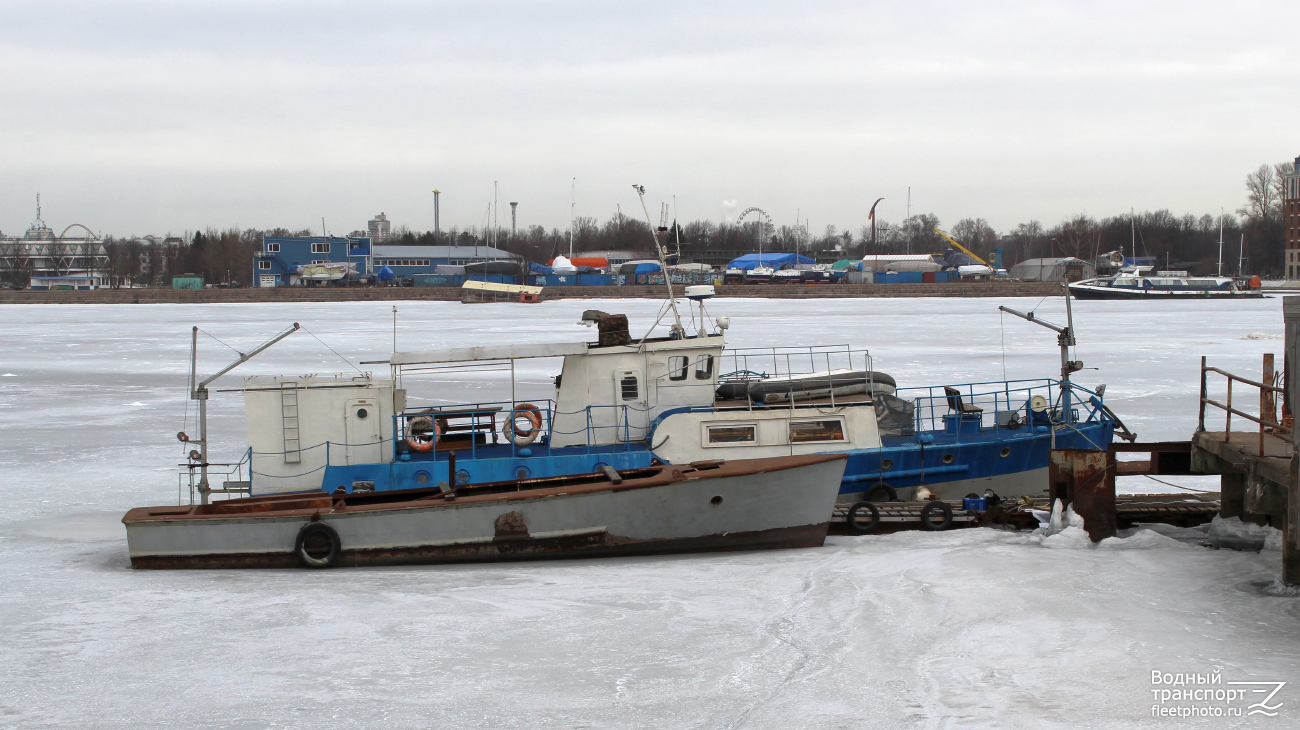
x,y
1268,394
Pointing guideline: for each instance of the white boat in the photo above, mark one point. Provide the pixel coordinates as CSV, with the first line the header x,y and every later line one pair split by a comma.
x,y
325,272
1146,283
759,275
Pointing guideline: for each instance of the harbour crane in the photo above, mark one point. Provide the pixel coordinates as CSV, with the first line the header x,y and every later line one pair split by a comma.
x,y
962,248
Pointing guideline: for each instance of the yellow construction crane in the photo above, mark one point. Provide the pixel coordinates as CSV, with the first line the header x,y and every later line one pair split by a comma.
x,y
962,248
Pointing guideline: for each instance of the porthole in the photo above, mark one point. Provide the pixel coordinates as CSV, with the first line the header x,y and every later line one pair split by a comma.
x,y
886,464
462,477
949,458
1005,452
421,477
362,413
716,501
521,473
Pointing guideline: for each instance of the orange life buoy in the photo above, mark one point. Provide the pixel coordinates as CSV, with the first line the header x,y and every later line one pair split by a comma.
x,y
424,443
524,436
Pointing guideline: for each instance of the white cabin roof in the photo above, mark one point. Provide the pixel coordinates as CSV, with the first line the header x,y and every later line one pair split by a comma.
x,y
490,352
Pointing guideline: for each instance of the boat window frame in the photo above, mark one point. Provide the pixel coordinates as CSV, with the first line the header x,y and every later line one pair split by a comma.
x,y
678,367
708,426
704,367
843,430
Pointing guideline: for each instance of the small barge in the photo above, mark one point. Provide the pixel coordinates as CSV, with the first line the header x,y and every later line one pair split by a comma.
x,y
745,504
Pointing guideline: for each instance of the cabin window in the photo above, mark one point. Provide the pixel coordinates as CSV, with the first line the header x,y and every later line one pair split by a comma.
x,y
821,430
627,386
704,367
320,248
273,248
677,367
732,434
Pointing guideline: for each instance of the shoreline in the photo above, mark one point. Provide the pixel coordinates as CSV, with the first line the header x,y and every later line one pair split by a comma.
x,y
347,294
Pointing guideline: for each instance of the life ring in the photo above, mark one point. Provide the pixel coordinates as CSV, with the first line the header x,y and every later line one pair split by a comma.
x,y
423,442
859,526
317,530
524,436
928,510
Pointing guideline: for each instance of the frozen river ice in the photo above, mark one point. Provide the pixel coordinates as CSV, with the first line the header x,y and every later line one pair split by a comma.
x,y
972,628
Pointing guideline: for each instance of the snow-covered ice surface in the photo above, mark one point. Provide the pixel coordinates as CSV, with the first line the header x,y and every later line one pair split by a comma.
x,y
970,628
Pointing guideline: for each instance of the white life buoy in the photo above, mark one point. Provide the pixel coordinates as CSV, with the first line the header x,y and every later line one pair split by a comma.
x,y
525,435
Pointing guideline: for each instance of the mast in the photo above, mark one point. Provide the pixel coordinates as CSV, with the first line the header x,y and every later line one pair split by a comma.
x,y
573,204
199,393
679,332
1064,338
1220,269
1132,232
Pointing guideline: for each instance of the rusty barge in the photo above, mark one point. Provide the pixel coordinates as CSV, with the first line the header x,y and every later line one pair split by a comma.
x,y
782,502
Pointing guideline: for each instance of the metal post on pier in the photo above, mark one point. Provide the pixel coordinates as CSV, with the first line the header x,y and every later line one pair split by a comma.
x,y
1201,422
1291,361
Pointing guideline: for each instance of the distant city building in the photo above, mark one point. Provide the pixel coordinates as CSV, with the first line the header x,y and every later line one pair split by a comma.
x,y
1291,219
42,260
380,228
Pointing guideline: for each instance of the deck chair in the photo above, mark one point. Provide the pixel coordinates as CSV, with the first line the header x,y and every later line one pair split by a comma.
x,y
954,402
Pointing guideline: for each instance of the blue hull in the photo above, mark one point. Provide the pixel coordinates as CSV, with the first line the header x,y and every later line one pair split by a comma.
x,y
993,459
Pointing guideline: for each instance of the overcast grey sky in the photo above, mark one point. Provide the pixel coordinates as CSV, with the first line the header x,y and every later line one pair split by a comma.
x,y
149,117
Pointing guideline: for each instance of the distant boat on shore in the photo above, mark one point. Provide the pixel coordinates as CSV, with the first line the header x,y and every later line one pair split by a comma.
x,y
1144,283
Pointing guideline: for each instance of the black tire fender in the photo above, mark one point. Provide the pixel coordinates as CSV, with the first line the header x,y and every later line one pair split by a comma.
x,y
891,494
857,525
928,511
324,530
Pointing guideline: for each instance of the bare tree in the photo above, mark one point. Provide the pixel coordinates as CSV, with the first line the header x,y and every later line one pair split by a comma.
x,y
975,234
1029,233
1263,200
1077,236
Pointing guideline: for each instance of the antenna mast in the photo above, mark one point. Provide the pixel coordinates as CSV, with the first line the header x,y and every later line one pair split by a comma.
x,y
679,332
1219,272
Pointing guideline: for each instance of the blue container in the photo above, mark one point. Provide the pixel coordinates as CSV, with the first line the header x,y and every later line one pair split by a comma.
x,y
910,277
978,505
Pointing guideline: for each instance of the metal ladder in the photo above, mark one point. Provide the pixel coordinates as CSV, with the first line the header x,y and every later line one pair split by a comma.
x,y
289,422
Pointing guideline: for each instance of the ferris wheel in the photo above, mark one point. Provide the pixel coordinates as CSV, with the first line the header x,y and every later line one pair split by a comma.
x,y
764,224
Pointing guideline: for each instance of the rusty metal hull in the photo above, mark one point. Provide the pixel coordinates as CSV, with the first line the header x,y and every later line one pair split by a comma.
x,y
783,502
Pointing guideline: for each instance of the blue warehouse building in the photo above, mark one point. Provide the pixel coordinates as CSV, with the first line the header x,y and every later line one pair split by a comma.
x,y
281,261
408,261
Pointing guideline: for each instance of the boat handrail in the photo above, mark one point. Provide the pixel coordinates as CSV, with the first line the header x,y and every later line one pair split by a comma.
x,y
997,400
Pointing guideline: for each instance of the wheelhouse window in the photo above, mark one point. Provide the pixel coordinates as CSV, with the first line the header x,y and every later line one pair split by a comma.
x,y
704,367
273,248
320,248
732,433
819,430
677,367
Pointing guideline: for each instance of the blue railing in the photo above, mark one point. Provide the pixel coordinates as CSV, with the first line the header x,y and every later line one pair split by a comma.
x,y
487,426
1003,405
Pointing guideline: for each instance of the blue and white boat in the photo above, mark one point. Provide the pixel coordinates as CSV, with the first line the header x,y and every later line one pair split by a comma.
x,y
1144,282
623,403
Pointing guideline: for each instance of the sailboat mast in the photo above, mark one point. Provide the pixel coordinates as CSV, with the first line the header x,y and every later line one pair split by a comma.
x,y
1132,232
1220,269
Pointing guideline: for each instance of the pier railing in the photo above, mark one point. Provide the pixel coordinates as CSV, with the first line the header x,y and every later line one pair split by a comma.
x,y
1268,392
